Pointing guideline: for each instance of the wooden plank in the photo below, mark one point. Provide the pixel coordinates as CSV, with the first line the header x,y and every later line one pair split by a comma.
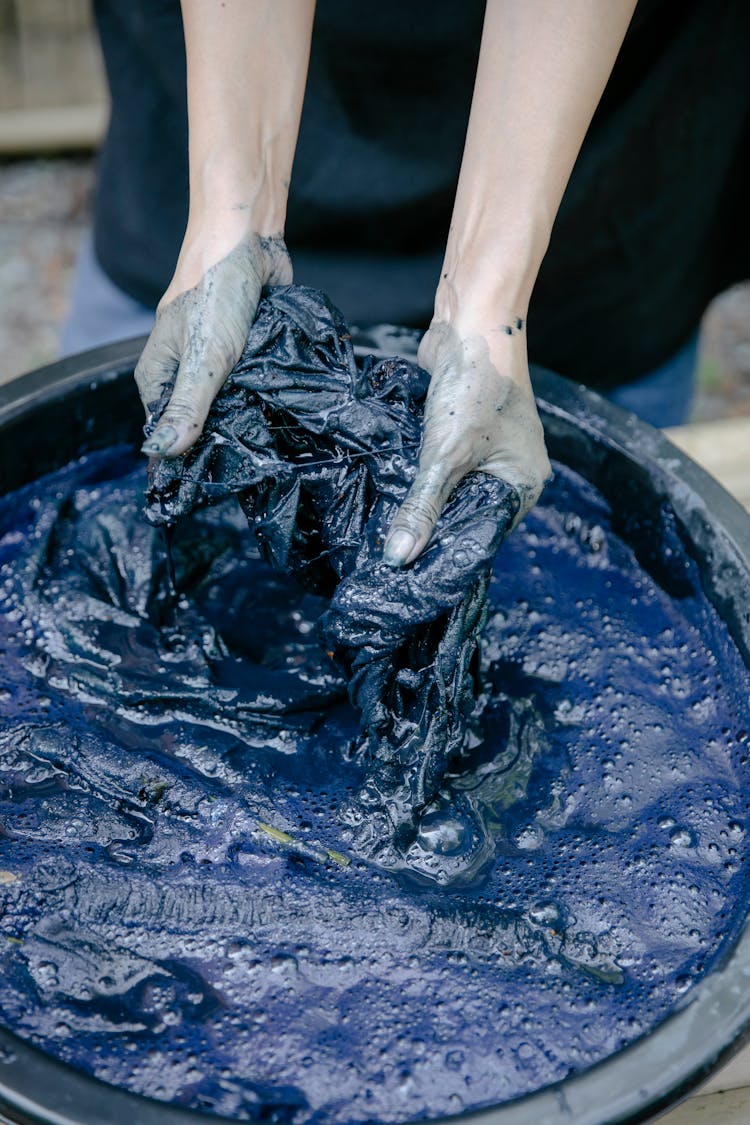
x,y
732,1108
49,55
52,130
732,1076
10,57
722,449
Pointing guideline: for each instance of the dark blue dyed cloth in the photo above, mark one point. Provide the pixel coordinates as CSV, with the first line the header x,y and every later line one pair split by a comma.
x,y
320,453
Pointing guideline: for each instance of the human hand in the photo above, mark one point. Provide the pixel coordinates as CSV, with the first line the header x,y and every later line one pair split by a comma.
x,y
480,414
201,327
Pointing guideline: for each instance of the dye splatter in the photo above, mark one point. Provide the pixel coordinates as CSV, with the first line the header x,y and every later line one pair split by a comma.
x,y
181,915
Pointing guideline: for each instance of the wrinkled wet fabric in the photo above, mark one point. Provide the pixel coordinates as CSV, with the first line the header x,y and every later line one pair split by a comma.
x,y
320,453
182,914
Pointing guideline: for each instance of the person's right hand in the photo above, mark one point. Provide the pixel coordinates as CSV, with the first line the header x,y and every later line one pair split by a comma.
x,y
201,327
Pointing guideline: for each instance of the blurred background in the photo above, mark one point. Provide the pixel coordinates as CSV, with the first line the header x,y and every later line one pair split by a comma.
x,y
53,112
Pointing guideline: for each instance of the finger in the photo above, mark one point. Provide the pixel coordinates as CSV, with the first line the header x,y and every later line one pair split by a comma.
x,y
415,520
199,379
157,366
220,311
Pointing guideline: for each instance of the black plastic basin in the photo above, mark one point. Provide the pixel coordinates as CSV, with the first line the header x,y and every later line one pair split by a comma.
x,y
87,402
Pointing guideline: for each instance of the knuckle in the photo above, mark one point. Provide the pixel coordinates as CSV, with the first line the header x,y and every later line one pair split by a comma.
x,y
419,510
146,378
181,411
155,365
141,380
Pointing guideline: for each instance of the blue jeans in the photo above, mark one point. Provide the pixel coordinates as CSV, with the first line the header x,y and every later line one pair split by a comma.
x,y
100,313
665,395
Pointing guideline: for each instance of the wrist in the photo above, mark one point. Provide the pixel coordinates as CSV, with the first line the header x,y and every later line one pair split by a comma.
x,y
265,256
471,343
488,279
229,190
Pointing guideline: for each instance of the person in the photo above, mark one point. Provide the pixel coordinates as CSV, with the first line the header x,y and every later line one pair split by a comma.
x,y
629,266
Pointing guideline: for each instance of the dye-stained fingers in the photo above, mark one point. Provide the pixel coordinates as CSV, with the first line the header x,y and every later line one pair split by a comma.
x,y
480,414
198,338
157,365
204,332
412,527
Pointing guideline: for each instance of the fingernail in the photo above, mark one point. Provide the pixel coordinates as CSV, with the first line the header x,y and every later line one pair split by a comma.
x,y
160,442
398,547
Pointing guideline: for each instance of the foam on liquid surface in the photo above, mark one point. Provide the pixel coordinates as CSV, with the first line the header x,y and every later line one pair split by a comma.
x,y
178,915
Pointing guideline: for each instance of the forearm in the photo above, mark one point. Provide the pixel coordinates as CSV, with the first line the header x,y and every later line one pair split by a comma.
x,y
246,65
246,70
543,66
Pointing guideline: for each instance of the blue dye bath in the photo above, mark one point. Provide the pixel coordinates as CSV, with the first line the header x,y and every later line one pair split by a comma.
x,y
180,914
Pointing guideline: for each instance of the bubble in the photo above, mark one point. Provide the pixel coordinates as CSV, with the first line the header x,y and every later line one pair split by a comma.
x,y
681,838
529,838
444,833
545,913
454,1060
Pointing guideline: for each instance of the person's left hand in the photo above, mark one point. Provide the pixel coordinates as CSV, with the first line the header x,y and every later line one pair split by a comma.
x,y
480,414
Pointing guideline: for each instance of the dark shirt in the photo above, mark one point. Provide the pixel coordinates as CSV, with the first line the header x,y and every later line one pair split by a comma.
x,y
653,224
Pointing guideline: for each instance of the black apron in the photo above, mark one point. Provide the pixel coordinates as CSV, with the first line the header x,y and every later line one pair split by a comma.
x,y
653,223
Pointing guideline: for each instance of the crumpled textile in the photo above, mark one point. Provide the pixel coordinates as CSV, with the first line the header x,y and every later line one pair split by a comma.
x,y
320,452
97,586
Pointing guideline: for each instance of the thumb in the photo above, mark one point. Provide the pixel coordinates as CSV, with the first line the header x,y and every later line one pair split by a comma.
x,y
415,520
157,365
201,375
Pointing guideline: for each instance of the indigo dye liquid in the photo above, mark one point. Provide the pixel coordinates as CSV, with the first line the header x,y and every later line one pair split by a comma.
x,y
181,916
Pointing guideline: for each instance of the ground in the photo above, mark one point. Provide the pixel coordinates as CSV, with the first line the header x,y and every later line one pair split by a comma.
x,y
45,205
44,209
